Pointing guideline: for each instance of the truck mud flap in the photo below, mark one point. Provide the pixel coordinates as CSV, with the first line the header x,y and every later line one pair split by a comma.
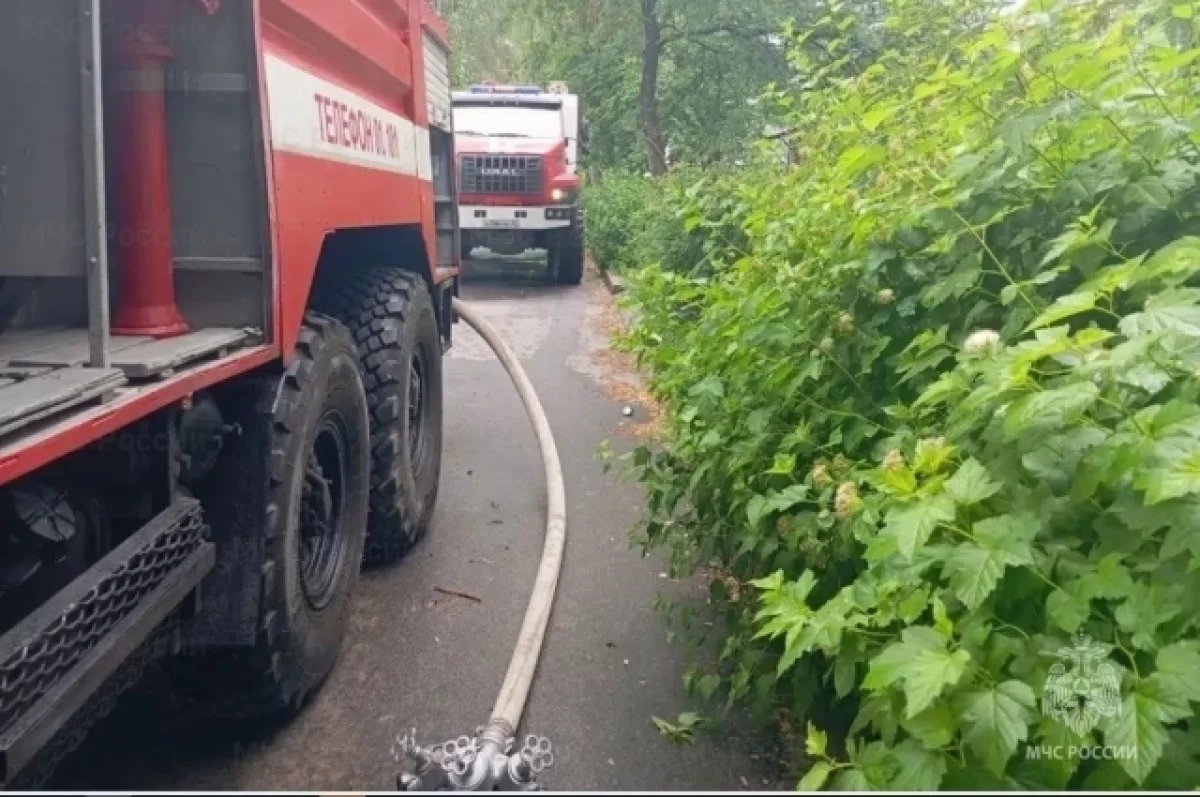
x,y
63,667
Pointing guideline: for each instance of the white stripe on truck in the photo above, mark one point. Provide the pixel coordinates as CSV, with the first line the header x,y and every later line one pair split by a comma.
x,y
311,116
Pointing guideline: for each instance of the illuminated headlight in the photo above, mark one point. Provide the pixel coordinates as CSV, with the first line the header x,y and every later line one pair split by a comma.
x,y
563,196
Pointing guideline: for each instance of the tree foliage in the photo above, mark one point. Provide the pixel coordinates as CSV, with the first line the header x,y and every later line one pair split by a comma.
x,y
933,395
712,59
482,42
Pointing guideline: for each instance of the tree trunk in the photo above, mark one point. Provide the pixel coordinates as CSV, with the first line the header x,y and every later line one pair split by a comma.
x,y
648,95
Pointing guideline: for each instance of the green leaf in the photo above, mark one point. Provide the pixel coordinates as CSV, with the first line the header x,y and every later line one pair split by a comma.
x,y
931,455
888,666
1048,409
998,719
815,778
1182,11
1150,378
708,685
925,90
1176,480
912,525
1178,671
853,779
897,481
1181,256
1068,610
1179,768
935,727
756,509
1181,538
815,741
785,499
1055,460
1146,609
928,674
899,661
878,711
845,671
1174,310
1137,729
876,116
919,769
1057,770
1150,191
976,566
974,572
1110,579
913,606
941,619
971,484
1064,307
1018,132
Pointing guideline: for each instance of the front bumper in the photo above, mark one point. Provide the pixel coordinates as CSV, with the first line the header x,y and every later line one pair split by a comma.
x,y
491,218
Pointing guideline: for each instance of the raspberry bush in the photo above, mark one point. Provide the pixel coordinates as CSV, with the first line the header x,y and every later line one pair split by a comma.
x,y
933,399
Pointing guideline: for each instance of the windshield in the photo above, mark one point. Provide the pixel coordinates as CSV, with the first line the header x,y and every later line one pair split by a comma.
x,y
508,121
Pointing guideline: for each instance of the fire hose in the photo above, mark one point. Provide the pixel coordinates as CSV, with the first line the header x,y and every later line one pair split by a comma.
x,y
488,761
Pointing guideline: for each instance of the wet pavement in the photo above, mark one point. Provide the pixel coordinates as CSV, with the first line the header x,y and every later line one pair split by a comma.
x,y
420,655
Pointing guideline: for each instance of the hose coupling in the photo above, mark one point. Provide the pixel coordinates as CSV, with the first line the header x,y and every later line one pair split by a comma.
x,y
472,763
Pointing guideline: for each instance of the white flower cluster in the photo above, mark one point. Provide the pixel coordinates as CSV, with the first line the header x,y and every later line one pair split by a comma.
x,y
982,341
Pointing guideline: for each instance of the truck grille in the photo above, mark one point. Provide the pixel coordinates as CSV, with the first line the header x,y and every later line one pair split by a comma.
x,y
501,174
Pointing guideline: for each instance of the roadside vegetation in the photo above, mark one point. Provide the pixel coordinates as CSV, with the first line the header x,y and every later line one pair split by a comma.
x,y
930,354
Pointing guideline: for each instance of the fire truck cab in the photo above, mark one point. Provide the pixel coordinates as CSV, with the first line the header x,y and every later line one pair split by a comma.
x,y
518,153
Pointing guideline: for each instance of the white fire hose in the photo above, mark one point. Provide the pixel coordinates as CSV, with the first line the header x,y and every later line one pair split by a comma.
x,y
487,761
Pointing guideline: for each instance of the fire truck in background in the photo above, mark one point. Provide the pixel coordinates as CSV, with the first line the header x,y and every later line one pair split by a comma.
x,y
228,254
518,153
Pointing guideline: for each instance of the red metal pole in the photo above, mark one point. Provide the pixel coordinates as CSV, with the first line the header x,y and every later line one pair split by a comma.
x,y
147,281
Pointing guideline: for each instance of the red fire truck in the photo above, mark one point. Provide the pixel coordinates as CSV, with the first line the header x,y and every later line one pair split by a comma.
x,y
228,252
518,155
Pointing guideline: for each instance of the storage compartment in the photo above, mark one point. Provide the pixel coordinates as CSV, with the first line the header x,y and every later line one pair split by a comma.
x,y
66,183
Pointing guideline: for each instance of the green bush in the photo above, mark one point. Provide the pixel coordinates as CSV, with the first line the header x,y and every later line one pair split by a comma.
x,y
633,220
934,415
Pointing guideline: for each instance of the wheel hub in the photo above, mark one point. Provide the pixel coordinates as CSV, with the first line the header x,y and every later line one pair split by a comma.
x,y
416,407
322,542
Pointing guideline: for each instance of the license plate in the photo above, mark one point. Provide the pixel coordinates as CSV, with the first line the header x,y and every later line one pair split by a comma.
x,y
507,224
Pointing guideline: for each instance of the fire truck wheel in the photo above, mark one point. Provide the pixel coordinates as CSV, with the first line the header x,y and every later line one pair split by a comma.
x,y
391,316
569,257
315,523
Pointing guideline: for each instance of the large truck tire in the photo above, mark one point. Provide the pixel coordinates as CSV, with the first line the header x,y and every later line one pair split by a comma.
x,y
314,530
391,315
569,257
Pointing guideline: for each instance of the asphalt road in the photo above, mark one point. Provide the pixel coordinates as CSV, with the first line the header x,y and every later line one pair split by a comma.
x,y
419,657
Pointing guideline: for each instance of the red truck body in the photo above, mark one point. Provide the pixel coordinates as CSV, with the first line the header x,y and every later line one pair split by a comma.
x,y
345,145
228,254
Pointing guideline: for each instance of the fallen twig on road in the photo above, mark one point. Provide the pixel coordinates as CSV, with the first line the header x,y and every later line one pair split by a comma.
x,y
455,594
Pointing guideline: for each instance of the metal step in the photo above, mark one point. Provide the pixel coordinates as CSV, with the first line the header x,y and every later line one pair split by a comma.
x,y
137,357
47,393
69,648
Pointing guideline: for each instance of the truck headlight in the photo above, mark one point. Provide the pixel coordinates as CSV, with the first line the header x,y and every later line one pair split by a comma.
x,y
560,195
